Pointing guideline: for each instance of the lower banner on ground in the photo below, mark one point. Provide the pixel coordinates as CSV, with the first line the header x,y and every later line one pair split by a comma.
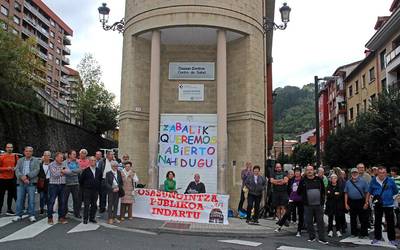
x,y
201,208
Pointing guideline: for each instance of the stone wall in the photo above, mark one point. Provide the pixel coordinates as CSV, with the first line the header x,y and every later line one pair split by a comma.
x,y
23,127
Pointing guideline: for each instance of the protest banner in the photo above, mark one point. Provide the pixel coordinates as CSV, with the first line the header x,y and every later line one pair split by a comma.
x,y
188,145
200,208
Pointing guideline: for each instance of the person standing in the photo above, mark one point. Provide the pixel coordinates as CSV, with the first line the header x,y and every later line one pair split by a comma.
x,y
58,171
128,178
312,190
99,157
396,178
362,173
334,207
356,201
256,185
246,172
44,173
196,187
72,184
295,202
105,166
279,190
114,184
321,174
26,171
90,181
383,189
8,161
83,161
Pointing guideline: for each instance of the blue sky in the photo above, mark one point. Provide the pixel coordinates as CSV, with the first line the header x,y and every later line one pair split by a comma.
x,y
321,36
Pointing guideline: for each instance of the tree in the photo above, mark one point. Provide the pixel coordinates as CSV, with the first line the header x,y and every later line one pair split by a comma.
x,y
373,139
283,158
19,70
95,104
303,154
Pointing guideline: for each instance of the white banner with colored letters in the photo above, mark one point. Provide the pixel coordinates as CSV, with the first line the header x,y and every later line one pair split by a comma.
x,y
200,208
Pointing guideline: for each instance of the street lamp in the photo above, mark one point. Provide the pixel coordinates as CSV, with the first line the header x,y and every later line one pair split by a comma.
x,y
104,12
270,25
317,134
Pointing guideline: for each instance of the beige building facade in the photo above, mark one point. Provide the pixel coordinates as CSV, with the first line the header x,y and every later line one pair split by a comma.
x,y
228,36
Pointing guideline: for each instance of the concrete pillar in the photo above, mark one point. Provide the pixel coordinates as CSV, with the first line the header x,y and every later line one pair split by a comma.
x,y
222,131
154,110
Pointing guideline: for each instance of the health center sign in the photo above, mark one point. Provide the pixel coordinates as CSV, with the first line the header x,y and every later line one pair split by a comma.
x,y
188,145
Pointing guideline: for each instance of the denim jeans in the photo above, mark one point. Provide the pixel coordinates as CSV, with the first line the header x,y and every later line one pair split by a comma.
x,y
56,191
44,199
22,190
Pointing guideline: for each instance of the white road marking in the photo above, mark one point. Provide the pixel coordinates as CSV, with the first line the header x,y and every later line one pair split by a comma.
x,y
242,242
367,242
292,248
7,220
28,232
84,228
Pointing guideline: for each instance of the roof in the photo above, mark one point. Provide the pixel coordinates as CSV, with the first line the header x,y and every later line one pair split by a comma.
x,y
343,67
360,66
54,16
72,72
381,21
395,5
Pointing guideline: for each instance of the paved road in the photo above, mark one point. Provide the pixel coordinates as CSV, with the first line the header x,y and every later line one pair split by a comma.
x,y
74,235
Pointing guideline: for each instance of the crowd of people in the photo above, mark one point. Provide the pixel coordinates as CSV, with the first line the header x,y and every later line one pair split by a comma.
x,y
304,196
87,179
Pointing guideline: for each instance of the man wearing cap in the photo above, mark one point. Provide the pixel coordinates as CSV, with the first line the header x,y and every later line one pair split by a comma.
x,y
356,200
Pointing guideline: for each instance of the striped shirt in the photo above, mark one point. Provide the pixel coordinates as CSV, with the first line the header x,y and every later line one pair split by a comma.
x,y
55,173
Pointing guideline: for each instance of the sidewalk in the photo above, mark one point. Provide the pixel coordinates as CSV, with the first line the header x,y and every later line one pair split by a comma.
x,y
236,227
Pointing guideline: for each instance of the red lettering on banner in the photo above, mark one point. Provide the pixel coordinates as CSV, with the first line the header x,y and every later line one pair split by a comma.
x,y
214,198
175,213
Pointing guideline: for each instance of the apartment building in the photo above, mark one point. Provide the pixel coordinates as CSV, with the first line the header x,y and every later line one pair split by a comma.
x,y
33,18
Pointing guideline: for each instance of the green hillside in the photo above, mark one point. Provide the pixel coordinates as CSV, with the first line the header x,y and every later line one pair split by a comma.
x,y
293,111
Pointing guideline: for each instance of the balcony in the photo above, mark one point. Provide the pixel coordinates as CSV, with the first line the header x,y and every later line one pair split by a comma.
x,y
391,56
42,43
65,60
67,40
342,108
36,12
66,50
64,70
27,32
41,55
64,80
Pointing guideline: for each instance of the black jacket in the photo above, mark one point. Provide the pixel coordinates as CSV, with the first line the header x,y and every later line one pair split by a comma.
x,y
42,174
88,181
306,184
334,199
255,189
110,179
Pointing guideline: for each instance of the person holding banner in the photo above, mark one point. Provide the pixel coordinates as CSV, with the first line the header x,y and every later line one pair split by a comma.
x,y
170,182
256,185
196,187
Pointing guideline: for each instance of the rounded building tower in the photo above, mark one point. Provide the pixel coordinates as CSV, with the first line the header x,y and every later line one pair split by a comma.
x,y
193,93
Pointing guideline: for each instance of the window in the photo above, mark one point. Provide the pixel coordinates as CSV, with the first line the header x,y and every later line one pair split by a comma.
x,y
351,114
382,59
4,10
363,81
356,90
49,68
57,61
350,91
58,51
48,79
52,23
51,45
16,20
3,25
365,105
17,6
15,32
57,72
373,97
55,94
372,74
58,39
357,109
48,90
50,56
51,33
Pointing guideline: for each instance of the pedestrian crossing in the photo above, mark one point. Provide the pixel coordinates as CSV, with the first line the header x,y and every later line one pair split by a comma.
x,y
31,230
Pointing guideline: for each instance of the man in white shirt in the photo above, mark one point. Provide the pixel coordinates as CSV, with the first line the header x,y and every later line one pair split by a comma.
x,y
104,166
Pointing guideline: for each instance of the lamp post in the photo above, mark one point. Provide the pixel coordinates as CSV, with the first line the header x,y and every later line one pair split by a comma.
x,y
104,13
270,25
317,132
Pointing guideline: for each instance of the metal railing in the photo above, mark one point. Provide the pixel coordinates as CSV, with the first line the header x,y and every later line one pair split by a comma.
x,y
65,59
66,49
36,13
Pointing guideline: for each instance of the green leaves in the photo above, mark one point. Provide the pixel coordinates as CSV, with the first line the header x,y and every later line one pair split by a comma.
x,y
94,103
373,139
303,154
